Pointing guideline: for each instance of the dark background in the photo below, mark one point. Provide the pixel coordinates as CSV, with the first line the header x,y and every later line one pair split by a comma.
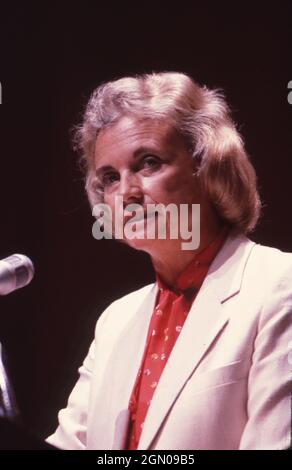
x,y
52,55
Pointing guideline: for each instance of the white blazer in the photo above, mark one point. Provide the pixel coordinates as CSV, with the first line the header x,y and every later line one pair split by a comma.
x,y
227,383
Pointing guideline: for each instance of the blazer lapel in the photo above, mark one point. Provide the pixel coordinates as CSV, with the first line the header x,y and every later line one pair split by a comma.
x,y
123,366
206,319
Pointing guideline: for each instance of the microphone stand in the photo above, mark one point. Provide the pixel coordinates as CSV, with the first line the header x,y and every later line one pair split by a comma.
x,y
13,435
8,408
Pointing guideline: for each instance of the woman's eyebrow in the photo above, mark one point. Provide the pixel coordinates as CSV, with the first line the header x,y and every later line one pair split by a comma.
x,y
102,169
153,150
136,154
145,149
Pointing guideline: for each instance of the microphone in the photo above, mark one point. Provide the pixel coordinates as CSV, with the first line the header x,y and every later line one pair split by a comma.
x,y
16,271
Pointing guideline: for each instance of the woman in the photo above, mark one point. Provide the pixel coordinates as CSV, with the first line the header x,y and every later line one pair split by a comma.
x,y
198,360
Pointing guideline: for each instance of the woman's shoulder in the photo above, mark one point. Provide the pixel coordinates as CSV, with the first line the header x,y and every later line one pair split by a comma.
x,y
271,270
120,311
134,296
272,260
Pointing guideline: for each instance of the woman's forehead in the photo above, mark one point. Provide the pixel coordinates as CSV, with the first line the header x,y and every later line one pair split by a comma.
x,y
130,132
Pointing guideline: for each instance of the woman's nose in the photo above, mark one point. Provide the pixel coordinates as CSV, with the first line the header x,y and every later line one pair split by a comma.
x,y
130,189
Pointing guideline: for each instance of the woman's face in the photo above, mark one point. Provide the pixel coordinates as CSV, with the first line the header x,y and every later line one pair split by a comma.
x,y
145,162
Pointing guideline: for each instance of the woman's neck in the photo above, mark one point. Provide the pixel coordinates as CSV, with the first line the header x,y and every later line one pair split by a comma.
x,y
172,260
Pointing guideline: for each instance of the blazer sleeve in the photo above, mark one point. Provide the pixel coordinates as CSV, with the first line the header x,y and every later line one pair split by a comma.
x,y
269,385
71,433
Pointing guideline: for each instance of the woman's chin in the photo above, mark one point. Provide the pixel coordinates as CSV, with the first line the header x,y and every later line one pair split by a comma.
x,y
140,244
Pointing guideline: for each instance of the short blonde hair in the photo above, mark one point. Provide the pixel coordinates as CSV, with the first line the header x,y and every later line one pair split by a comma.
x,y
201,116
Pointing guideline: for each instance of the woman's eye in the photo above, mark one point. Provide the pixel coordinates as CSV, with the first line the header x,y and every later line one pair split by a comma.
x,y
109,178
150,162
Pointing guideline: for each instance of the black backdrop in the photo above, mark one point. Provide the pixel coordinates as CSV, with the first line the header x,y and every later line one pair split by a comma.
x,y
51,57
